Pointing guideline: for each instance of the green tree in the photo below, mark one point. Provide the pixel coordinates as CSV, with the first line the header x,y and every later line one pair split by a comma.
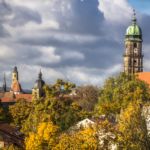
x,y
57,106
118,91
62,112
20,111
60,88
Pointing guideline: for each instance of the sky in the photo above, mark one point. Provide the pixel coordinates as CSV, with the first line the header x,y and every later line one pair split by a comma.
x,y
81,41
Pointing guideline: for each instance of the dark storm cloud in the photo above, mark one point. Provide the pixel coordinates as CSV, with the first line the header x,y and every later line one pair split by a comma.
x,y
4,12
15,16
3,32
145,25
22,15
86,19
5,9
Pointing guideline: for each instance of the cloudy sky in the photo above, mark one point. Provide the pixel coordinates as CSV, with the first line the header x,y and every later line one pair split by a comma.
x,y
78,40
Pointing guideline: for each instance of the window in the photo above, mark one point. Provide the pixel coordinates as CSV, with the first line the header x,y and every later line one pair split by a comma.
x,y
135,62
135,45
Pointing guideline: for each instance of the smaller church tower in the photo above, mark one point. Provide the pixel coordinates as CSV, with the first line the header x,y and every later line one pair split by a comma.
x,y
37,91
15,86
133,57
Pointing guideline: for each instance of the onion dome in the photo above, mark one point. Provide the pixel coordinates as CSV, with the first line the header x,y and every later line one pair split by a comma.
x,y
134,31
40,82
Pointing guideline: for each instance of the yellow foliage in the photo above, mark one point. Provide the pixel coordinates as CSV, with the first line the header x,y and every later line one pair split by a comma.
x,y
45,137
88,138
33,142
132,128
81,140
47,130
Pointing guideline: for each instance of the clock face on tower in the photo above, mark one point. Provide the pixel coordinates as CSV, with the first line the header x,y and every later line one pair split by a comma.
x,y
135,50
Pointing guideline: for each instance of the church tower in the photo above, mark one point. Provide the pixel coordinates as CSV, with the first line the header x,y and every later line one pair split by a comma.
x,y
15,75
37,91
15,86
133,57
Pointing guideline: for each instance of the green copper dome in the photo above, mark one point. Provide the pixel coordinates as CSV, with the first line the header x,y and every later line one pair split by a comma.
x,y
134,31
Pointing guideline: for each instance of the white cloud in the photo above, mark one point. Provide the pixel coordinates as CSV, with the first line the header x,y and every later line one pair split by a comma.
x,y
48,55
29,74
73,55
117,11
6,53
114,69
95,76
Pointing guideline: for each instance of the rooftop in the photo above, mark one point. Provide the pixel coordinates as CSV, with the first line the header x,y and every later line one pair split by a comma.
x,y
144,76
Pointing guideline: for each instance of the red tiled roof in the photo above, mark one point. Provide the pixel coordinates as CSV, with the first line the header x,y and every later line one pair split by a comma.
x,y
144,76
27,97
7,99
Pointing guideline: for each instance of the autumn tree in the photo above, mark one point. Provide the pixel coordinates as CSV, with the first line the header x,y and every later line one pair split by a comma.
x,y
59,88
48,137
20,111
62,112
118,91
85,139
87,97
57,106
44,138
132,129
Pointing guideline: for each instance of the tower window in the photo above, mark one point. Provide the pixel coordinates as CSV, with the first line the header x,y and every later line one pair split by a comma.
x,y
135,45
135,61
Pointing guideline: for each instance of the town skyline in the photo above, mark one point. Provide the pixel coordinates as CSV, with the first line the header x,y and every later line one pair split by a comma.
x,y
64,43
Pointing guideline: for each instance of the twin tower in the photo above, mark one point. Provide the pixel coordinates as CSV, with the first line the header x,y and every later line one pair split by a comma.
x,y
133,56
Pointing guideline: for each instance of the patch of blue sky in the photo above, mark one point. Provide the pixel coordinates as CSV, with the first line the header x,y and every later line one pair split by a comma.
x,y
141,5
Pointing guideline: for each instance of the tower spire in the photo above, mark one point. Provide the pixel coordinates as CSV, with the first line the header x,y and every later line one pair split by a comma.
x,y
134,17
4,83
40,74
